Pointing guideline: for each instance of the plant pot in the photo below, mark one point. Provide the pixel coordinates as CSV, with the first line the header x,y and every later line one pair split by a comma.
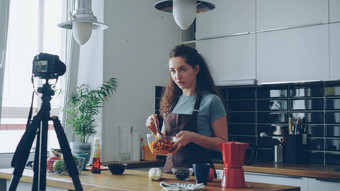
x,y
81,150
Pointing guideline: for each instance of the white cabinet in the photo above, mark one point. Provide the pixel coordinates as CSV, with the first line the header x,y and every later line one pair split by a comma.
x,y
300,54
277,179
334,11
305,183
335,51
229,17
230,58
290,13
317,185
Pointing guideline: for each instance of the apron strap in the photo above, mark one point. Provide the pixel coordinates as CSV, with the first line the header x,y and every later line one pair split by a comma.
x,y
197,102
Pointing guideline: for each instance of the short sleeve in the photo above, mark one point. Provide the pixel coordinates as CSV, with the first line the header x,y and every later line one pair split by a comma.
x,y
217,109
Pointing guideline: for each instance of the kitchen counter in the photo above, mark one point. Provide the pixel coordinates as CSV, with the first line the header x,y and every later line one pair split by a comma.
x,y
130,180
303,170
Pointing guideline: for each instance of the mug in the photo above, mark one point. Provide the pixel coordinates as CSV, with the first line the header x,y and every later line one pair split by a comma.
x,y
201,171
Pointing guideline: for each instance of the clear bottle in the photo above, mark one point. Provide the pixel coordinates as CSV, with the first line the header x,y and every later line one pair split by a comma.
x,y
96,156
141,150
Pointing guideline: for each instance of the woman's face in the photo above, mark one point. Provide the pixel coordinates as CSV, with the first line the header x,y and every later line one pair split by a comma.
x,y
183,74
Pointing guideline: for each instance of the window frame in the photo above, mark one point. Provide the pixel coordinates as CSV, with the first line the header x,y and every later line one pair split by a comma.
x,y
67,50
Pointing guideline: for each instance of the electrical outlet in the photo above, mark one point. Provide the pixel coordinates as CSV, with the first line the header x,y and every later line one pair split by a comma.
x,y
219,173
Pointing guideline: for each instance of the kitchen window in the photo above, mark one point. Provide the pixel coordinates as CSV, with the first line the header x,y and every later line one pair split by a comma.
x,y
32,29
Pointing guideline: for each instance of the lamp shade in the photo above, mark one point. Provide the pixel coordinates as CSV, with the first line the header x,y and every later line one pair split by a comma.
x,y
184,12
82,22
82,32
181,17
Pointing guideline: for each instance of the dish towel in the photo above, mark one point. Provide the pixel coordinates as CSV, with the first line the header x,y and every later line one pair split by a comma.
x,y
182,186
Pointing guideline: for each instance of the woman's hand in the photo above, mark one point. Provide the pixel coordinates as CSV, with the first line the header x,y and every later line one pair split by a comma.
x,y
183,138
150,123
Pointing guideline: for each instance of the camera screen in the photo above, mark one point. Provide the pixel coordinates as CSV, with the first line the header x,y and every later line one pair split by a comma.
x,y
40,66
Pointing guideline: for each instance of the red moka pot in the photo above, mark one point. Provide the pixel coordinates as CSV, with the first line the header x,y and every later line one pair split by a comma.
x,y
233,157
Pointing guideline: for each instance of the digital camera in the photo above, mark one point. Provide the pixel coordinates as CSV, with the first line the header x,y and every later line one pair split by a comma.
x,y
48,66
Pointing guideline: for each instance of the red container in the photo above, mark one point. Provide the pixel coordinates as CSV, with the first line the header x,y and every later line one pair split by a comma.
x,y
233,157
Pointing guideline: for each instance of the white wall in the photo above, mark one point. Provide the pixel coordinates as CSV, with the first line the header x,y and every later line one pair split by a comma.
x,y
135,52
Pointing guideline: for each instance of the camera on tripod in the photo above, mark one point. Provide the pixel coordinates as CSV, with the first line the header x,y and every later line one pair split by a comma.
x,y
48,66
45,66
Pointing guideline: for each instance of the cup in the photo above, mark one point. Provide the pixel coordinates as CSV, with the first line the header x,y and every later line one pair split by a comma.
x,y
201,171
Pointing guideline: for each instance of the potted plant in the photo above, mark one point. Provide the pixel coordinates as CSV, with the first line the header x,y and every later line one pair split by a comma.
x,y
81,110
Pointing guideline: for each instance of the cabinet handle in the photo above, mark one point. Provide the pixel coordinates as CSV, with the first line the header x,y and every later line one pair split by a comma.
x,y
327,180
224,36
291,27
235,82
273,175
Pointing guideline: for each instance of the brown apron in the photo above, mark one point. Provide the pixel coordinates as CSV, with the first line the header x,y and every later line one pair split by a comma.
x,y
190,153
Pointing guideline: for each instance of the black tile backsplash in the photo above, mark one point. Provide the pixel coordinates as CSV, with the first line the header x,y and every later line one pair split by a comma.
x,y
272,105
315,144
315,90
333,158
332,90
241,117
242,129
308,117
242,93
306,104
333,117
272,92
265,110
272,129
272,117
243,105
253,110
333,131
314,157
333,104
315,131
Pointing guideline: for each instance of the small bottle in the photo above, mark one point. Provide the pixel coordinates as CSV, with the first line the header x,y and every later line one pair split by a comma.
x,y
141,150
96,156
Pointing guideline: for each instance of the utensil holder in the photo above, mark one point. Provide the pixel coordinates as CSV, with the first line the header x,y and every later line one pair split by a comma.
x,y
293,149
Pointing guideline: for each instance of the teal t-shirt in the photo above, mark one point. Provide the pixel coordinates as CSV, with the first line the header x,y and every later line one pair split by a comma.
x,y
211,108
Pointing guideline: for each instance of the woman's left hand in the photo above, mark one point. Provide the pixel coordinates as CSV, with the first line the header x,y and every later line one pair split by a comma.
x,y
183,138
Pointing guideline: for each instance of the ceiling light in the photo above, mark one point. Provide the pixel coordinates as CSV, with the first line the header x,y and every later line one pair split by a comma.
x,y
184,11
82,22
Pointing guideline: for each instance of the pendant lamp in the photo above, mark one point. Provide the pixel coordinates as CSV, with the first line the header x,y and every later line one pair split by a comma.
x,y
184,11
82,22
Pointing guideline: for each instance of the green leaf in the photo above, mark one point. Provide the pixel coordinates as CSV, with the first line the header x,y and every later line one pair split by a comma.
x,y
83,106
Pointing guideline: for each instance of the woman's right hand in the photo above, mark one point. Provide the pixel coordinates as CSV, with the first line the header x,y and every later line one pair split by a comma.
x,y
150,123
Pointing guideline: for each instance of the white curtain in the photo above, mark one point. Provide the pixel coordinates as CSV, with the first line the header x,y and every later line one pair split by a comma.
x,y
4,12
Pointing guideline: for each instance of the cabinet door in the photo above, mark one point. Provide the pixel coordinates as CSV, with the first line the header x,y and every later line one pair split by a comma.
x,y
317,185
277,179
300,54
334,51
229,17
334,10
230,58
289,13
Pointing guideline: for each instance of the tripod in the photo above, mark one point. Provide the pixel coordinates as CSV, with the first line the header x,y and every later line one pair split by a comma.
x,y
39,127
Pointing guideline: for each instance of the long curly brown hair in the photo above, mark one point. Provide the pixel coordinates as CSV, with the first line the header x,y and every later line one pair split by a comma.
x,y
204,79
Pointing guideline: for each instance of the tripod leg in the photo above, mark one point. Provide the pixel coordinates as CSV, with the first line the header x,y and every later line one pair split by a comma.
x,y
22,152
40,158
65,149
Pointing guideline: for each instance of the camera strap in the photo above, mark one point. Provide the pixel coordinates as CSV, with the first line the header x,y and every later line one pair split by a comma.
x,y
31,110
29,118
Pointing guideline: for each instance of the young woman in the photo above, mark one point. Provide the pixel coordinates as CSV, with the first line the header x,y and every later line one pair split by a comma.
x,y
192,108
